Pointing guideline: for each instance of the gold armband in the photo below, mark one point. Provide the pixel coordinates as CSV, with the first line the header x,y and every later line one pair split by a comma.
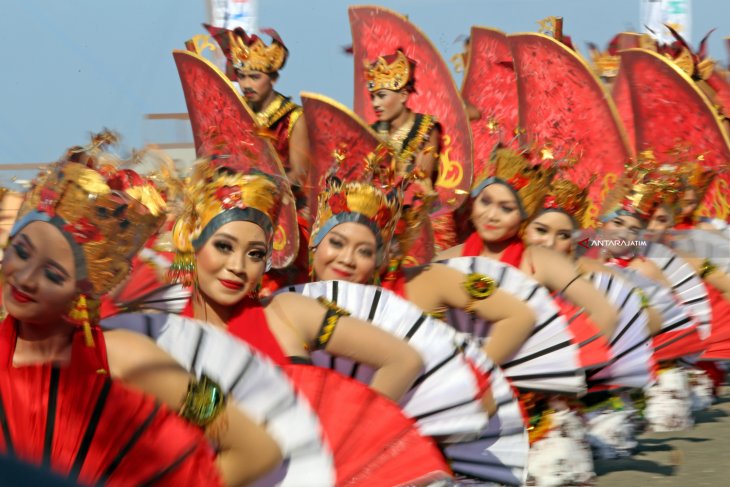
x,y
204,402
479,287
643,297
331,317
707,268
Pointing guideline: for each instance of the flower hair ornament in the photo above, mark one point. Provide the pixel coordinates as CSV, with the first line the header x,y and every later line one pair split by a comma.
x,y
105,212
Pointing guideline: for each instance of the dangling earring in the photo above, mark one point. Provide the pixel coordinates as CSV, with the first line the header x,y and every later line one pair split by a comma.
x,y
80,316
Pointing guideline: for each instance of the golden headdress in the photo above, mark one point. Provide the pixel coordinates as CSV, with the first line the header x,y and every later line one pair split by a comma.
x,y
107,214
639,192
217,195
529,181
393,72
568,197
375,200
249,52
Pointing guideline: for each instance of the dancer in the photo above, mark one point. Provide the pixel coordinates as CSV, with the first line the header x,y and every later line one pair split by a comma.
x,y
77,231
502,203
358,211
256,67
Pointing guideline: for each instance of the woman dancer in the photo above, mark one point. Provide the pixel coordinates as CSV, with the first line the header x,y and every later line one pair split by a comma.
x,y
358,211
502,203
77,231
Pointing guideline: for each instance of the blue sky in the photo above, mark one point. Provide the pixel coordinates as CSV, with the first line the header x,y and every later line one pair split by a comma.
x,y
75,66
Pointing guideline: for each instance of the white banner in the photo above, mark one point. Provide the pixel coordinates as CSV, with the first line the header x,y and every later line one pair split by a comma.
x,y
655,14
234,13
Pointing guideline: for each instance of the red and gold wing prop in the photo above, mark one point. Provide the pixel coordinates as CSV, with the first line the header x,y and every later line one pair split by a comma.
x,y
336,136
223,124
720,82
377,32
564,107
670,111
622,98
490,85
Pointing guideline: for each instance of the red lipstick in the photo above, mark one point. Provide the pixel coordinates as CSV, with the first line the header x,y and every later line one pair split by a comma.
x,y
342,274
235,285
20,296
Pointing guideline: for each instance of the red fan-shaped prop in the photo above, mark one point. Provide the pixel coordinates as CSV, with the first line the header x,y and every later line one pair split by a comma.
x,y
373,442
95,431
670,111
376,32
490,85
338,139
564,106
224,125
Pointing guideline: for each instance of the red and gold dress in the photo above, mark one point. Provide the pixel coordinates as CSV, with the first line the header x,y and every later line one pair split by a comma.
x,y
80,423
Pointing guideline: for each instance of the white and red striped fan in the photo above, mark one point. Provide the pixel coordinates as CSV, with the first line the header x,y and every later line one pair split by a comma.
x,y
500,452
687,285
446,398
677,322
257,386
631,363
548,360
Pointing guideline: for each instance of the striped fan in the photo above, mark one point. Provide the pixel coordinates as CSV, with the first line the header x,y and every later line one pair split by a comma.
x,y
677,323
687,285
257,386
632,362
499,453
706,245
548,360
445,398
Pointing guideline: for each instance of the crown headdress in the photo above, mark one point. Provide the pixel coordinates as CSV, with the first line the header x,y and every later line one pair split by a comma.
x,y
639,191
529,181
696,64
249,52
393,72
374,199
568,197
106,214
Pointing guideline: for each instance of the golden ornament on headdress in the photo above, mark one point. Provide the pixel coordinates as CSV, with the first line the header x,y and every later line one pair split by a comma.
x,y
605,64
394,76
256,56
639,191
570,198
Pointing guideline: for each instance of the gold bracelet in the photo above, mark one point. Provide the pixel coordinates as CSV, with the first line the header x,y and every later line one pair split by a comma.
x,y
707,268
479,287
204,402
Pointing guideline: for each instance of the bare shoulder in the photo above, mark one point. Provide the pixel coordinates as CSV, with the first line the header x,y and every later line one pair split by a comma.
x,y
451,253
